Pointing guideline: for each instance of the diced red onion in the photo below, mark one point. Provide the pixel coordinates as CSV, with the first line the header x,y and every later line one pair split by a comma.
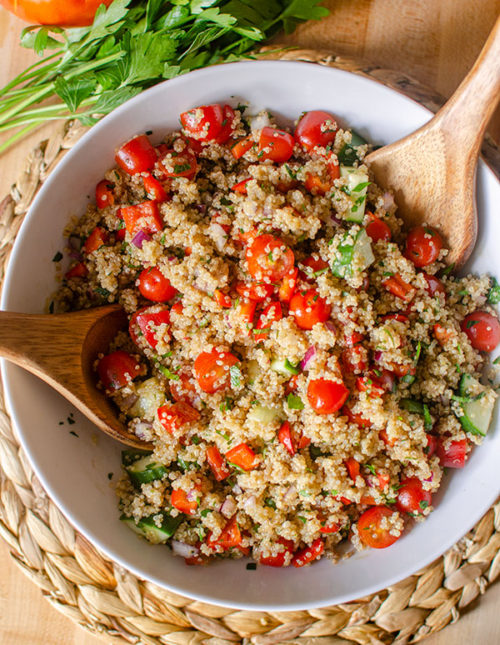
x,y
388,201
192,495
249,502
237,490
74,255
429,479
201,208
386,380
142,430
330,325
311,352
129,401
377,356
228,508
290,494
183,549
139,238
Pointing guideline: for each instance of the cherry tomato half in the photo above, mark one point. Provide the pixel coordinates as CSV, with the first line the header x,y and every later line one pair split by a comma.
x,y
281,557
423,245
257,291
137,155
309,553
452,454
309,308
316,128
173,416
104,194
434,285
179,164
118,369
211,370
483,330
325,396
271,313
203,123
183,389
275,145
377,230
371,528
145,323
412,498
217,463
268,257
154,286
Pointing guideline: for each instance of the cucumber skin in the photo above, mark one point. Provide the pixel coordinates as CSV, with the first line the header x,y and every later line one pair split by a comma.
x,y
148,473
164,532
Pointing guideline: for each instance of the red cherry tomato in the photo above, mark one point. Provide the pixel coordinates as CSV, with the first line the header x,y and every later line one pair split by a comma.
x,y
118,369
227,125
355,418
412,498
353,468
423,245
309,308
313,267
211,370
441,334
104,194
271,314
217,463
99,237
434,285
257,291
290,440
183,389
203,123
309,553
371,529
79,270
154,286
316,128
275,145
241,186
483,330
137,155
354,359
325,396
145,323
280,558
377,229
431,446
399,317
65,13
174,416
185,502
142,217
179,164
154,188
241,146
288,285
243,457
222,299
452,454
370,385
268,257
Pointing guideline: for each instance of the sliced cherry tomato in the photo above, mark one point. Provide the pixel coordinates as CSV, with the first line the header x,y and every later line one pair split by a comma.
x,y
325,396
370,385
483,330
211,370
316,128
243,457
183,389
377,229
434,285
399,288
241,186
329,528
315,185
229,538
288,285
371,529
203,123
271,313
383,480
412,498
104,195
142,217
154,286
353,468
399,317
355,418
99,237
403,369
309,553
354,338
137,155
77,271
176,308
291,386
179,164
279,560
257,291
222,299
241,146
269,257
451,454
286,438
174,416
227,124
118,369
154,188
431,446
145,323
314,266
246,311
354,359
423,245
441,334
217,463
309,308
275,145
385,438
182,502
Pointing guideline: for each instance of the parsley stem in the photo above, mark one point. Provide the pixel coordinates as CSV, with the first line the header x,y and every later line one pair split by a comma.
x,y
24,76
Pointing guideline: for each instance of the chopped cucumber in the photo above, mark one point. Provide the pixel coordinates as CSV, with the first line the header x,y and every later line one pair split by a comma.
x,y
348,155
151,395
357,255
148,529
263,414
357,183
145,470
477,403
284,367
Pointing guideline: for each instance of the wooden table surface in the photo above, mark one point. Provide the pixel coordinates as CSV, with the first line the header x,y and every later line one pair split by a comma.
x,y
436,41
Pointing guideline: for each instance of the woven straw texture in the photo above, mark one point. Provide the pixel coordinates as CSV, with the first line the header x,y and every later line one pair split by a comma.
x,y
105,599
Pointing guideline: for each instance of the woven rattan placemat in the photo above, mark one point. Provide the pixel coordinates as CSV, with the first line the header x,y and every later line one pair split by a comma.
x,y
104,598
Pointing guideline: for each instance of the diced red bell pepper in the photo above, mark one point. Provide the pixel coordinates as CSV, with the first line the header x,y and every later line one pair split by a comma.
x,y
352,468
241,146
243,457
97,238
155,188
104,194
368,385
179,164
222,299
180,500
77,271
309,553
241,186
452,456
285,437
142,217
217,463
271,313
355,418
173,416
137,155
246,310
399,288
257,291
229,538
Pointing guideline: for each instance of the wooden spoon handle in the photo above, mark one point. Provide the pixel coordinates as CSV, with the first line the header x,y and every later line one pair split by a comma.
x,y
467,113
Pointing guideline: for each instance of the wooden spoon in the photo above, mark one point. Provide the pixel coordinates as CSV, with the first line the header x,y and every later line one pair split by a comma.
x,y
61,349
432,171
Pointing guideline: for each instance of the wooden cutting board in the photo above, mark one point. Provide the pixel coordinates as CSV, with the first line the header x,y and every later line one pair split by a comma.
x,y
436,41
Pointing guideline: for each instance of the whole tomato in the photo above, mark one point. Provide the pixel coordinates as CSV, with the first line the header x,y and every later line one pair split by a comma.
x,y
67,13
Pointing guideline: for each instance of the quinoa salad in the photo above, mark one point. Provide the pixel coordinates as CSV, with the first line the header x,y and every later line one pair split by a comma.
x,y
304,367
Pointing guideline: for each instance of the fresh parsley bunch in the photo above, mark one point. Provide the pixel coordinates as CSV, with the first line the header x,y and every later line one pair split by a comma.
x,y
131,46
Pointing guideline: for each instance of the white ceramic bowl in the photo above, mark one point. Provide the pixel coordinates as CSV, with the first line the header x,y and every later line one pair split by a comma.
x,y
74,470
